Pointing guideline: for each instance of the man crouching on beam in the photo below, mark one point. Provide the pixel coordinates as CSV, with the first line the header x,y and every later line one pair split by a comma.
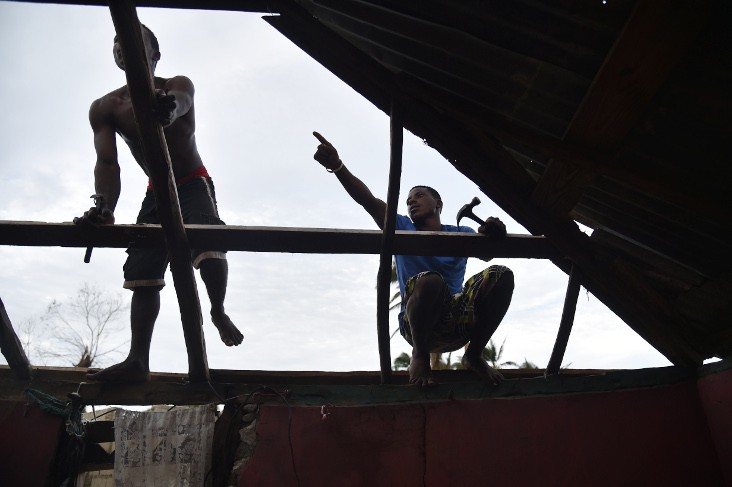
x,y
438,313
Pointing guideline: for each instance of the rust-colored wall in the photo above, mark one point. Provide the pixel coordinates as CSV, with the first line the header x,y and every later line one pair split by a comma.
x,y
28,443
634,437
715,392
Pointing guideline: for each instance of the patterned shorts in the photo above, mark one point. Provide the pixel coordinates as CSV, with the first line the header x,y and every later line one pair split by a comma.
x,y
458,311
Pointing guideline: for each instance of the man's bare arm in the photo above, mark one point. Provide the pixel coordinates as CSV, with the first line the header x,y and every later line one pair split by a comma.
x,y
106,169
327,156
175,100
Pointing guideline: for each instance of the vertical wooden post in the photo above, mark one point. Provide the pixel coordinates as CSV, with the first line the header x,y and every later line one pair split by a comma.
x,y
387,243
157,160
11,348
565,325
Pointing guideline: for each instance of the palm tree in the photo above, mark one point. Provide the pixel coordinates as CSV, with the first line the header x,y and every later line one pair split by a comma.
x,y
396,297
527,365
493,355
395,300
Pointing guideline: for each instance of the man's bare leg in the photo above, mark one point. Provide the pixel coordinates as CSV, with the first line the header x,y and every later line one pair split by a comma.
x,y
491,307
215,274
423,311
144,311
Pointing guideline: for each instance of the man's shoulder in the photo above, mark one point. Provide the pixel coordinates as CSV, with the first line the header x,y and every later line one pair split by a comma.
x,y
110,99
179,81
103,109
404,223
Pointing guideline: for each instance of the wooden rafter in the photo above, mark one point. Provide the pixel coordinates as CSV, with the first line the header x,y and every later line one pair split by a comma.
x,y
11,347
157,161
387,242
565,324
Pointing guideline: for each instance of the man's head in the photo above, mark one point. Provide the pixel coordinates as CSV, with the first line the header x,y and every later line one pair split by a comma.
x,y
424,202
152,49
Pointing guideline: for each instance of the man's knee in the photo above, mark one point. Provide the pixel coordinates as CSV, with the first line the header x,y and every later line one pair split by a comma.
x,y
209,260
497,287
506,280
429,285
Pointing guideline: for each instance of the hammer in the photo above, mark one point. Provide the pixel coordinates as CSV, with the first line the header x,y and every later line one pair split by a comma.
x,y
99,203
467,211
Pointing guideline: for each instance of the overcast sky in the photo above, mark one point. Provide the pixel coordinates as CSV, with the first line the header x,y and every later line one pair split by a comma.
x,y
258,99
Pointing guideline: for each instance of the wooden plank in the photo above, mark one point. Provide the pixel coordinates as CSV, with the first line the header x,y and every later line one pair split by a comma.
x,y
11,347
451,384
157,161
544,147
272,239
705,261
561,186
671,269
565,324
655,37
448,57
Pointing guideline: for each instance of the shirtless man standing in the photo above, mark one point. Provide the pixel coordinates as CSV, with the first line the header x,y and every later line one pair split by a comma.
x,y
144,269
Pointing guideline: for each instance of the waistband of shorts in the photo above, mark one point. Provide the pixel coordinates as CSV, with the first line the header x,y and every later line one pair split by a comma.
x,y
201,172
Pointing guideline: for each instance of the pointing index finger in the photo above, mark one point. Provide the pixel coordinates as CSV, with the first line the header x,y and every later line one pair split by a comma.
x,y
322,139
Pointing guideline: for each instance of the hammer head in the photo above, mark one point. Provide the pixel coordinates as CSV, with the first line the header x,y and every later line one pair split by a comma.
x,y
467,211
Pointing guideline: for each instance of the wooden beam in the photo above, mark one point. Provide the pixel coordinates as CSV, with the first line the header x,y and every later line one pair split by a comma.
x,y
387,243
565,324
337,388
157,161
272,239
11,347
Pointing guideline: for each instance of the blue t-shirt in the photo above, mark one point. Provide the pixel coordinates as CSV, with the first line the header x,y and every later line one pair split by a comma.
x,y
452,269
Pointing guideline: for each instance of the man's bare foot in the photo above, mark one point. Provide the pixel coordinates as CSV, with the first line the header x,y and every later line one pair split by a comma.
x,y
420,373
127,371
228,332
478,365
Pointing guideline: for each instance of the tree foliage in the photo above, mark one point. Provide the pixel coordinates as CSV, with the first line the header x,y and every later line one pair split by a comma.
x,y
81,331
493,355
402,361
